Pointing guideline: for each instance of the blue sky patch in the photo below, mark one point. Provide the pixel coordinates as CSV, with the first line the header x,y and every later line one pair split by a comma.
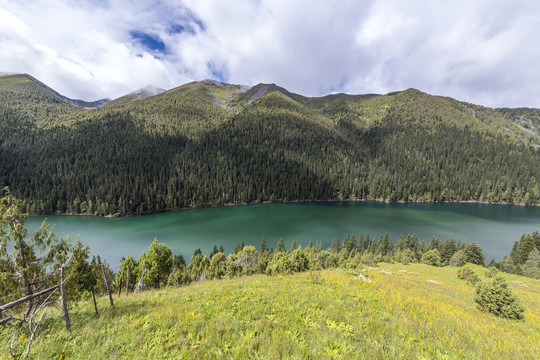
x,y
151,43
217,74
178,29
189,23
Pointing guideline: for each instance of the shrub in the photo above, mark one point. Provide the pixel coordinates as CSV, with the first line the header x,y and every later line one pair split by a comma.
x,y
531,268
280,264
368,259
497,298
466,273
458,259
432,257
299,260
407,256
247,259
492,271
178,277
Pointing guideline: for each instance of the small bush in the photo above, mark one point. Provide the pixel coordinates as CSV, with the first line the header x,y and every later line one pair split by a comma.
x,y
432,257
405,257
466,273
368,259
492,271
497,298
458,259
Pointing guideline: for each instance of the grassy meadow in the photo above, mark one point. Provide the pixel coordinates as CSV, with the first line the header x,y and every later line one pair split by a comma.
x,y
403,312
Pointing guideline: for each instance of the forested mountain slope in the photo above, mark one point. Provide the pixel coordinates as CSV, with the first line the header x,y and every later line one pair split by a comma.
x,y
209,143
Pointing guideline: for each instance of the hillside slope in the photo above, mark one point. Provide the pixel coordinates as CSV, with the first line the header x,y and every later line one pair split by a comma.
x,y
405,312
208,143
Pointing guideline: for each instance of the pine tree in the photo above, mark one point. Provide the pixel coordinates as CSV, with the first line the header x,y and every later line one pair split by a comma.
x,y
498,298
386,246
367,242
526,245
214,251
264,248
400,245
473,254
531,267
281,245
293,246
360,244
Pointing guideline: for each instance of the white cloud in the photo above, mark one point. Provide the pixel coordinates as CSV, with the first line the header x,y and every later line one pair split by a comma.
x,y
481,51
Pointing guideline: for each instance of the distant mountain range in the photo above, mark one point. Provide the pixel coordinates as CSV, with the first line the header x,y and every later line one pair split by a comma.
x,y
210,143
25,82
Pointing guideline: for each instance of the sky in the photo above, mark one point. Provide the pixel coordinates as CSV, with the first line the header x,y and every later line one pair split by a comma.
x,y
481,51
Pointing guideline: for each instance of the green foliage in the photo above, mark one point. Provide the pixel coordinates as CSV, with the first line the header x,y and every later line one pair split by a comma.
x,y
299,260
458,259
207,144
218,265
432,257
280,264
492,271
368,259
405,257
473,254
121,278
281,245
179,276
524,257
497,298
100,286
468,274
247,259
79,274
531,268
32,263
158,262
386,246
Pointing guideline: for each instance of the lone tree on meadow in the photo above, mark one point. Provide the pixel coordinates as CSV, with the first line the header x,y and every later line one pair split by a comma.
x,y
498,298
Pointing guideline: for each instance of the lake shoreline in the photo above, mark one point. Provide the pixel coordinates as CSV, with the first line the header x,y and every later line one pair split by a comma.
x,y
495,228
292,202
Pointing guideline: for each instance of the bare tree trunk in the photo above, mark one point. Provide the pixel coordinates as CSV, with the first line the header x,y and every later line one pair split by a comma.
x,y
140,285
127,280
63,297
5,320
27,298
107,285
94,296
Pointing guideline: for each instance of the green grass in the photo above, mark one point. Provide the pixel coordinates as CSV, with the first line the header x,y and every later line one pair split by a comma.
x,y
405,312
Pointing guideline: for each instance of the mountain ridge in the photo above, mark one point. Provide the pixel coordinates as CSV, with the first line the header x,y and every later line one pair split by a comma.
x,y
209,143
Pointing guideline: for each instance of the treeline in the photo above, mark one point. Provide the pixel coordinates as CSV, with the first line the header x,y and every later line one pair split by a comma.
x,y
524,259
180,149
159,267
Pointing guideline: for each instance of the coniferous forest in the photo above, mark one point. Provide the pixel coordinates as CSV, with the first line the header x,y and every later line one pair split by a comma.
x,y
208,143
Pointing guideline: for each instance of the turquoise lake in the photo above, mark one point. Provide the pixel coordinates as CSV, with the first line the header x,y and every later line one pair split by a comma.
x,y
494,227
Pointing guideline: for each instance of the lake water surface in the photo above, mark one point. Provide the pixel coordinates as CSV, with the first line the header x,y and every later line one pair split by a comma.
x,y
494,227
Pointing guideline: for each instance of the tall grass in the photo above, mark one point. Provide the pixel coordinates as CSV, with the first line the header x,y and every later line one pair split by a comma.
x,y
405,312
